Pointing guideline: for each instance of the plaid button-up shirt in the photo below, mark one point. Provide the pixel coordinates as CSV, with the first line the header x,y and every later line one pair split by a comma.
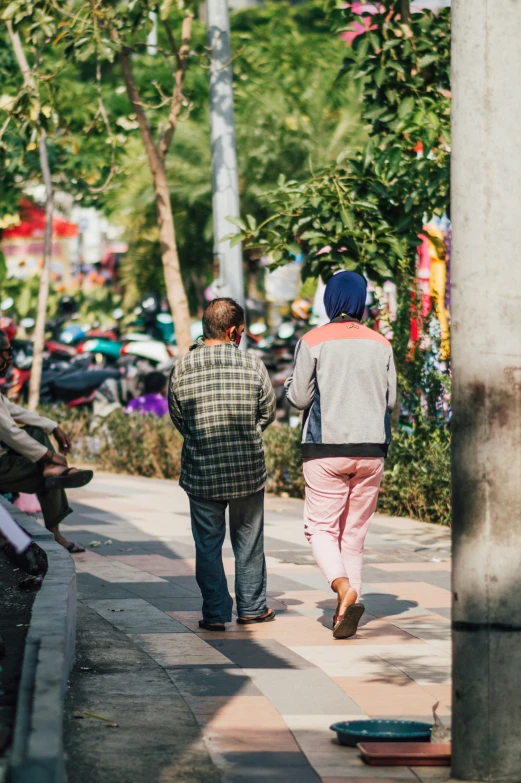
x,y
220,400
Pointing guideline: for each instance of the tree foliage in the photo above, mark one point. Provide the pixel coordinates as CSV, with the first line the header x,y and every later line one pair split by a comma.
x,y
289,114
106,39
368,208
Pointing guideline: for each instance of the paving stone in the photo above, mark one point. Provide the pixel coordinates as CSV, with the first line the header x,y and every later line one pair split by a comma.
x,y
260,654
264,773
282,543
440,579
303,692
360,780
386,605
347,661
398,696
136,616
283,584
429,631
429,596
189,603
428,775
371,574
187,582
213,681
258,761
418,568
151,590
183,649
443,610
160,565
90,586
144,682
323,765
112,571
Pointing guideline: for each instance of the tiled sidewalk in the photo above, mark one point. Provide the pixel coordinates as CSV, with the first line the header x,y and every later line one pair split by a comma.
x,y
265,696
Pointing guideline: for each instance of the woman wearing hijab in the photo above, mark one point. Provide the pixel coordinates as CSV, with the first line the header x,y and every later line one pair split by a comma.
x,y
345,382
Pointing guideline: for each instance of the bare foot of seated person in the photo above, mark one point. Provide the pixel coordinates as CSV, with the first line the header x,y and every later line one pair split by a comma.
x,y
58,475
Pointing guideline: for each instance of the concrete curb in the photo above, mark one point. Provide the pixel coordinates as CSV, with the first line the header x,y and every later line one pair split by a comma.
x,y
37,753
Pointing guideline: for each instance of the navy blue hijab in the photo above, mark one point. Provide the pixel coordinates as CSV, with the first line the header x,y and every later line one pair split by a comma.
x,y
345,294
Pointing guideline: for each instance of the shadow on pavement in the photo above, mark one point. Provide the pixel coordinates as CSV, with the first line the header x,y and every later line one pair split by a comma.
x,y
162,708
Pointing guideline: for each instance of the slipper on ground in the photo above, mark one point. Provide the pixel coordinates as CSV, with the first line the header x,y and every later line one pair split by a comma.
x,y
347,625
254,620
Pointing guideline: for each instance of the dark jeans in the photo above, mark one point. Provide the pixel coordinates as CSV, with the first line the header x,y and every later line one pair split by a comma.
x,y
19,474
247,536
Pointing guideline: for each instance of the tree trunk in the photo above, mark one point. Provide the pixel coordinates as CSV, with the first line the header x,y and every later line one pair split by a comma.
x,y
41,317
403,7
174,283
43,294
175,291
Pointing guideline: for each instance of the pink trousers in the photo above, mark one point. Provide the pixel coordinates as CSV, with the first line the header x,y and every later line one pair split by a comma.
x,y
341,497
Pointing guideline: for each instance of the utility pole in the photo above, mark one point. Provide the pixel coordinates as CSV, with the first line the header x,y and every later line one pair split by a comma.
x,y
224,157
152,35
486,351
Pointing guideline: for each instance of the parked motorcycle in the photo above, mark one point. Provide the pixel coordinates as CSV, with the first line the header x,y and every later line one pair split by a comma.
x,y
154,351
104,351
78,389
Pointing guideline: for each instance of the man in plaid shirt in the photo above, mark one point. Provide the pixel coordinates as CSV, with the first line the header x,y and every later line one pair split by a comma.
x,y
220,400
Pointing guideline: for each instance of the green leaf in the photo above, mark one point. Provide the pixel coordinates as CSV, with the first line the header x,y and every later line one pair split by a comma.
x,y
11,9
307,235
427,59
348,218
350,264
164,9
379,77
406,107
237,222
236,239
395,158
368,155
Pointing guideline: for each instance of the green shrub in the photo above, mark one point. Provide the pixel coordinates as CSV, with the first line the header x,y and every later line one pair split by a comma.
x,y
283,461
140,445
416,481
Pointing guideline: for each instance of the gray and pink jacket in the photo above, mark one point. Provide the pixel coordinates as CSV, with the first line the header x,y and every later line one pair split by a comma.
x,y
345,381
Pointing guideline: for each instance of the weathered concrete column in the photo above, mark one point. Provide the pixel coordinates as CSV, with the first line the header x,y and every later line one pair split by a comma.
x,y
486,335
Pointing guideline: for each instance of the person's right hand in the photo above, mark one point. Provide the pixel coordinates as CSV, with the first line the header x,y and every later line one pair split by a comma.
x,y
51,458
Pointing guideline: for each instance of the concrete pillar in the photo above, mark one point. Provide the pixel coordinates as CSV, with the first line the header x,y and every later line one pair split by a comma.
x,y
486,350
224,158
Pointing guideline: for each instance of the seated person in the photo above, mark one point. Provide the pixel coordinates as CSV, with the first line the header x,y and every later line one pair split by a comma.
x,y
154,399
28,461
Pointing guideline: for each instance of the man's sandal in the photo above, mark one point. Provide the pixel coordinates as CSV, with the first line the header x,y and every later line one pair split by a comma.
x,y
347,625
252,620
212,626
74,549
69,479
